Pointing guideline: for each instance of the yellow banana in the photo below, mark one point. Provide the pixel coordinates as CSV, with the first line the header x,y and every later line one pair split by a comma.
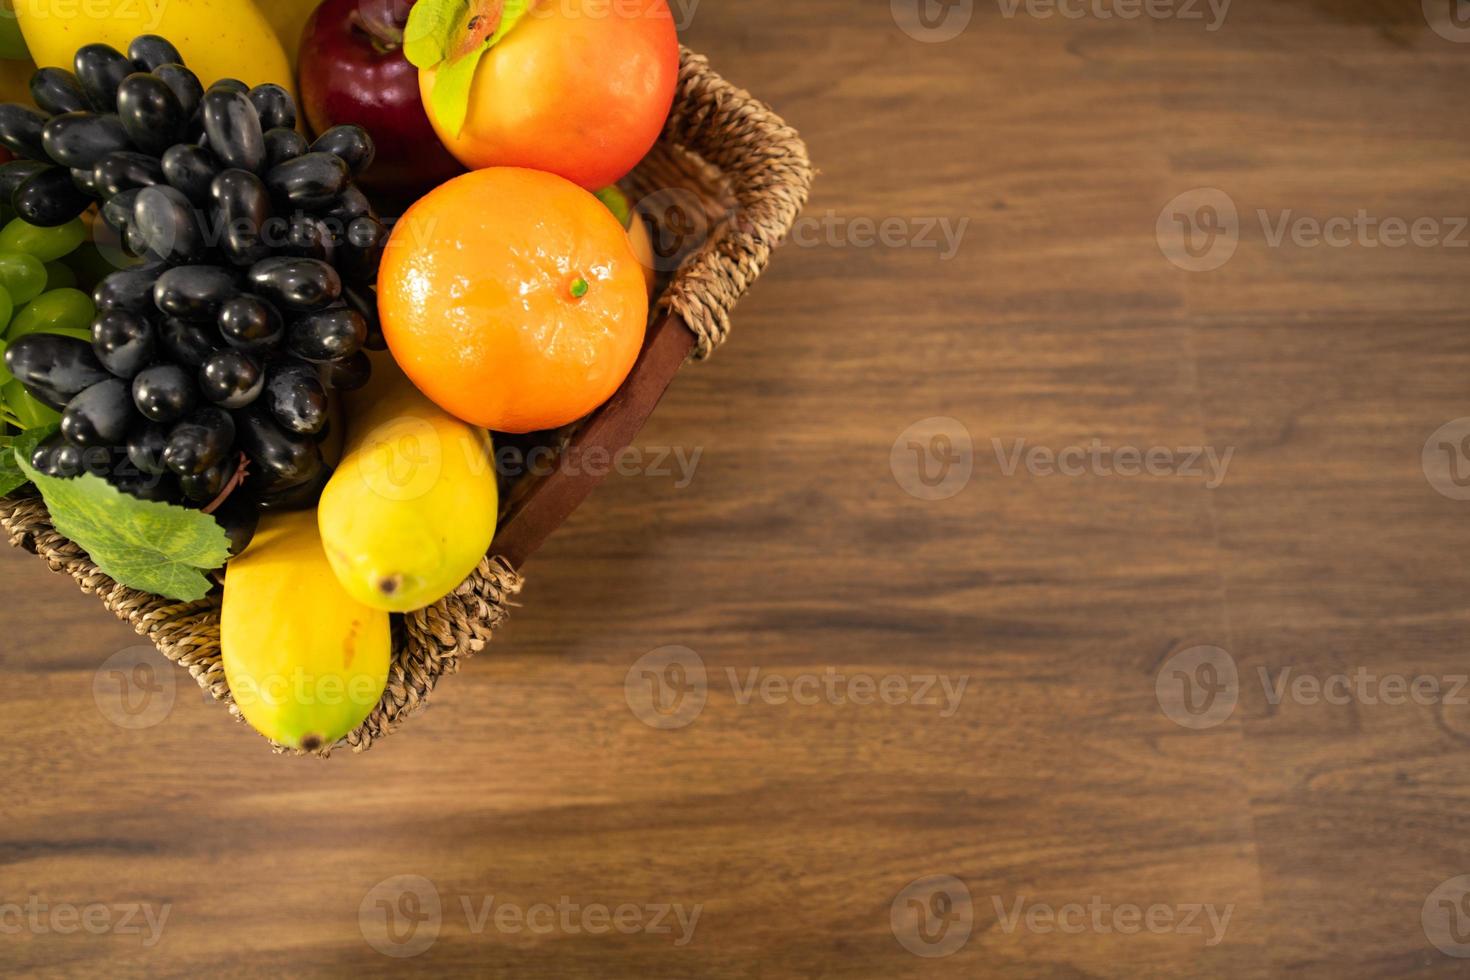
x,y
289,18
412,507
306,662
218,38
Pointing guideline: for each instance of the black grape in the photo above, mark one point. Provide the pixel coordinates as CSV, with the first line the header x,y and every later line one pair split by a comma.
x,y
249,323
169,225
351,144
165,392
199,441
274,105
296,285
151,113
99,416
56,91
296,399
80,139
233,126
101,68
191,169
21,129
123,342
185,86
231,378
53,367
149,52
194,292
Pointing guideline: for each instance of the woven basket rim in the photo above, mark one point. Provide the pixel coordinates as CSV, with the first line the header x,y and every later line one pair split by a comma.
x,y
718,134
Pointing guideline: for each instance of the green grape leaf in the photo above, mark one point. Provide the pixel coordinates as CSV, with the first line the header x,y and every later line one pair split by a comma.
x,y
154,547
21,446
479,27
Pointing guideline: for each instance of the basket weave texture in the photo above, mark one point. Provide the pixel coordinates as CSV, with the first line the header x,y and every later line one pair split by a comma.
x,y
731,177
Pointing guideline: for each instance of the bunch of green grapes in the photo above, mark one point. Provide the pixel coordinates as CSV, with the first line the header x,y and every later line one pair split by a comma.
x,y
39,275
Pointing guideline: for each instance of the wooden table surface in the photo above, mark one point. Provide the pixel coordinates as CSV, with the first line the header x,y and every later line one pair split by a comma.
x,y
1105,709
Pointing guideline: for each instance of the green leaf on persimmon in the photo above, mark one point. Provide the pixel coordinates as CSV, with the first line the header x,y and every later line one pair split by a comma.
x,y
453,36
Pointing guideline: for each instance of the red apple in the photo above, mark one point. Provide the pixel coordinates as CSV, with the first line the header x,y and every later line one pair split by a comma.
x,y
353,71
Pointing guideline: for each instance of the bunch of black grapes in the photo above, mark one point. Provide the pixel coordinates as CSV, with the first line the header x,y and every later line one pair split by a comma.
x,y
252,297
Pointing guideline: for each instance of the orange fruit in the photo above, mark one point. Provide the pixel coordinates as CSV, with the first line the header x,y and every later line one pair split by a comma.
x,y
513,299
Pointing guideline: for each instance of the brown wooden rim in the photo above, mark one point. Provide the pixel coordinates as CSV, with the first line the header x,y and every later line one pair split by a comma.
x,y
541,507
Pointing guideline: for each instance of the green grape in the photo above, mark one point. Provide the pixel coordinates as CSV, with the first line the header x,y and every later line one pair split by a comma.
x,y
59,275
7,310
5,376
46,244
24,406
22,275
64,311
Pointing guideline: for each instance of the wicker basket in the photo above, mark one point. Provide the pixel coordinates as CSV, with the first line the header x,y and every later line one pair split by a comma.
x,y
723,186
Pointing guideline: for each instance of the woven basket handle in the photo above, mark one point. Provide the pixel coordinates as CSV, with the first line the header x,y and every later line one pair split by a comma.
x,y
753,176
767,175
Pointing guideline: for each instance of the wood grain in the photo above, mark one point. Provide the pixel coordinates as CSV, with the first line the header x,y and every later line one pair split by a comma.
x,y
792,550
